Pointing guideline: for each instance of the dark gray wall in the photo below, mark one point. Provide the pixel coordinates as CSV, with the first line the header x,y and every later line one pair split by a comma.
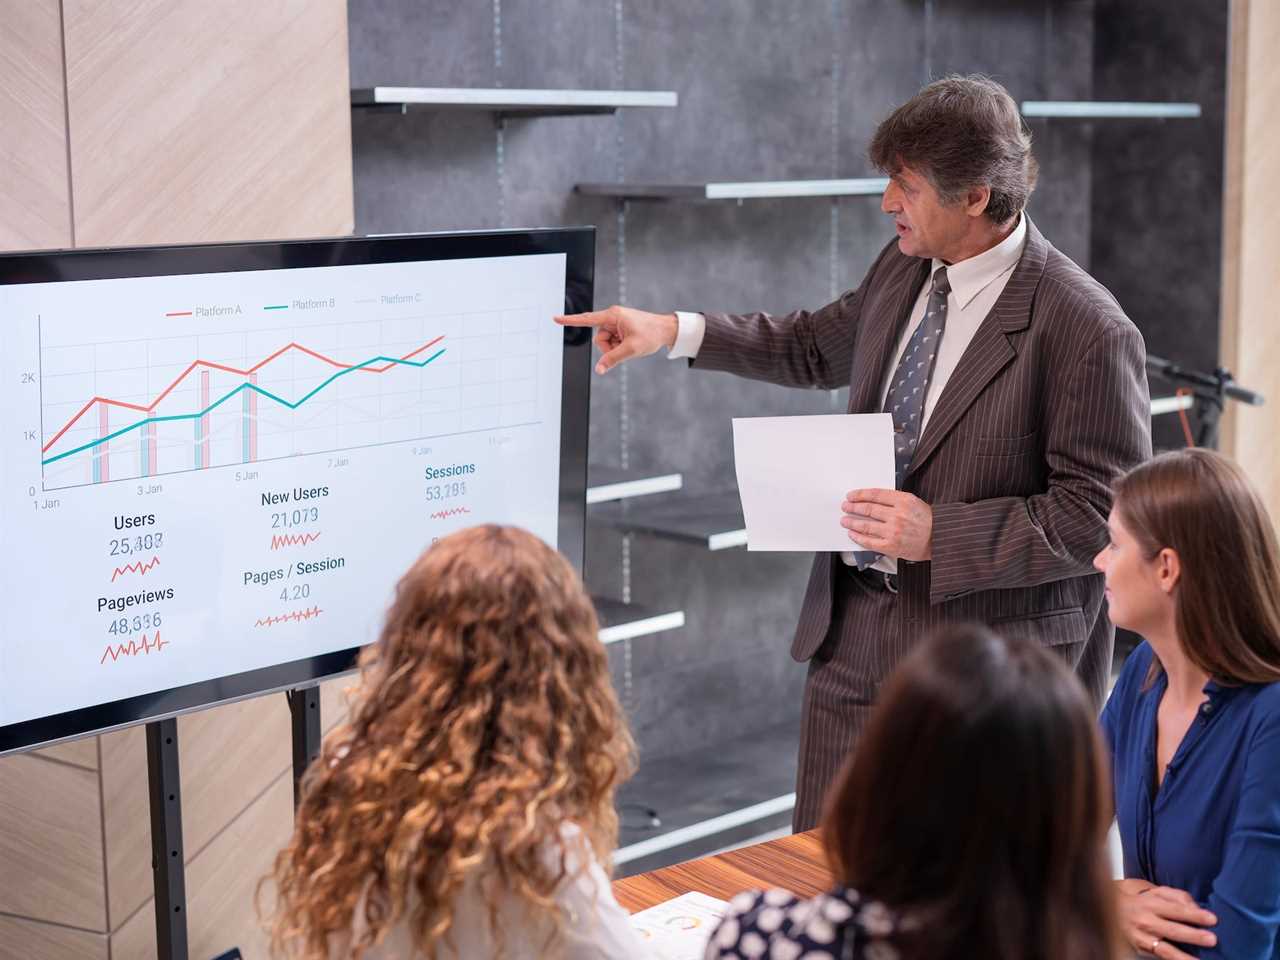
x,y
768,90
1157,193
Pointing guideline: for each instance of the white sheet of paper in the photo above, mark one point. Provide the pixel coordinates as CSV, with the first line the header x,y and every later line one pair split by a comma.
x,y
678,929
793,473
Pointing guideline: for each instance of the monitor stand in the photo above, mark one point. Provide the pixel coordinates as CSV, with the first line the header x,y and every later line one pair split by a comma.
x,y
165,790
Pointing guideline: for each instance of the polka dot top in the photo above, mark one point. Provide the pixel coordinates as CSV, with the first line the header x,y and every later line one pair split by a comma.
x,y
777,925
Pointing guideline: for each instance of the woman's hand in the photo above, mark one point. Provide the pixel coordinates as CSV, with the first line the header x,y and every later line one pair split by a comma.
x,y
1155,919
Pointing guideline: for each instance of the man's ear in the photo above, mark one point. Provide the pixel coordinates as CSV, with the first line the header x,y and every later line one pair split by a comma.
x,y
976,201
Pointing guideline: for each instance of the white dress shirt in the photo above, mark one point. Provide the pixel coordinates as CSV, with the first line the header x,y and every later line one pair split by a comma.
x,y
976,284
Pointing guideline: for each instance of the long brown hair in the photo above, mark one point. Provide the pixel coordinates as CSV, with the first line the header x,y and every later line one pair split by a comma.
x,y
485,720
977,805
1227,603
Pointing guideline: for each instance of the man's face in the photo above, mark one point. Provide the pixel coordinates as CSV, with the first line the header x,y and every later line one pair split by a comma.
x,y
926,226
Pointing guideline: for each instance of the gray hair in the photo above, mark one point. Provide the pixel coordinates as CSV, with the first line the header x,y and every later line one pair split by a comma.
x,y
962,132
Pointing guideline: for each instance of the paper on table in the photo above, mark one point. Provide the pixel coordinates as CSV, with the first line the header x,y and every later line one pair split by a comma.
x,y
793,473
678,929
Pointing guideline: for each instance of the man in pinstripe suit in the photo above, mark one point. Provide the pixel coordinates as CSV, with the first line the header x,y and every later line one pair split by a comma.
x,y
1019,392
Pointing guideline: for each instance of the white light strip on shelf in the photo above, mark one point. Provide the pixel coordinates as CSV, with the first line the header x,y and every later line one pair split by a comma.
x,y
634,488
730,538
864,186
752,841
641,628
1161,405
508,97
707,828
1107,109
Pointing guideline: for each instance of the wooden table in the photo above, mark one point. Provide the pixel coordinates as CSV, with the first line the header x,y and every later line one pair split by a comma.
x,y
795,863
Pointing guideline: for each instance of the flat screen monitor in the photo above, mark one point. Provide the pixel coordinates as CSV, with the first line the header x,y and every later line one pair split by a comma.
x,y
217,460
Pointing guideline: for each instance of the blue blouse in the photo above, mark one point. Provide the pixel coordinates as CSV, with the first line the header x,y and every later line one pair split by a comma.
x,y
1212,827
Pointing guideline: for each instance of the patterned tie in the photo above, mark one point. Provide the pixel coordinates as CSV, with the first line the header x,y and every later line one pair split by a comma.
x,y
910,384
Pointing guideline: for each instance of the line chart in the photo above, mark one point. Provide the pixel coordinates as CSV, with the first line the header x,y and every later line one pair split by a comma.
x,y
128,408
451,512
367,365
280,540
133,648
293,616
139,567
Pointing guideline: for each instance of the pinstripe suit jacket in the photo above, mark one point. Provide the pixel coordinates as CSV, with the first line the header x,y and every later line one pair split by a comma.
x,y
1047,407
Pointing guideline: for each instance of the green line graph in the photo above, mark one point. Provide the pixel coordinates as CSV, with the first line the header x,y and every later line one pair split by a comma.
x,y
292,405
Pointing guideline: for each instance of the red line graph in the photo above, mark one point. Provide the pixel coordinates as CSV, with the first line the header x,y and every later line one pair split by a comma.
x,y
451,512
208,364
295,616
293,540
138,567
134,648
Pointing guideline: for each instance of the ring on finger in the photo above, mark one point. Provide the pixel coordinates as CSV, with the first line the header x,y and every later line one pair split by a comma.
x,y
1154,943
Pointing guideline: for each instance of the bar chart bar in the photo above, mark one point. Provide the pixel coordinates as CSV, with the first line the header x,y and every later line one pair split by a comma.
x,y
202,424
101,472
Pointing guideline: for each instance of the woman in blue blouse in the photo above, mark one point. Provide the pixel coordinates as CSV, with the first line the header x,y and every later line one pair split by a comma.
x,y
1194,720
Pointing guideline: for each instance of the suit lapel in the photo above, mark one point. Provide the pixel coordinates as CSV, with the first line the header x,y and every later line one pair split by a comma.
x,y
990,350
870,361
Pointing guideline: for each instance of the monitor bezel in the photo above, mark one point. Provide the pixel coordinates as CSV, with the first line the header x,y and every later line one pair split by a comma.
x,y
54,266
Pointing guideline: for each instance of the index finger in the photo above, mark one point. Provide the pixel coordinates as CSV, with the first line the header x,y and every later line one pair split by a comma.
x,y
594,318
873,495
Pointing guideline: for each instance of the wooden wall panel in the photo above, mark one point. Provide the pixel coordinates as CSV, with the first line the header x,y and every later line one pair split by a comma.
x,y
1251,278
32,940
208,121
83,753
51,843
222,774
221,881
34,191
127,824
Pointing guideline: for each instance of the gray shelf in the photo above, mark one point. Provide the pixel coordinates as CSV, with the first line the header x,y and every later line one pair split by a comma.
x,y
747,190
626,621
510,102
1109,110
610,483
1162,405
742,793
712,521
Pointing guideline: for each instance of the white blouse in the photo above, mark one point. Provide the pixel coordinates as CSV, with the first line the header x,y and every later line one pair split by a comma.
x,y
595,928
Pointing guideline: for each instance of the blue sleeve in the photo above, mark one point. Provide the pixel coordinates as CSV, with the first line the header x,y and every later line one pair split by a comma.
x,y
1108,721
1120,703
1246,893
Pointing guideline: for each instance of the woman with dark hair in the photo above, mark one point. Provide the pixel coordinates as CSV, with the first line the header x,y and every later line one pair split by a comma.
x,y
1194,720
970,822
467,808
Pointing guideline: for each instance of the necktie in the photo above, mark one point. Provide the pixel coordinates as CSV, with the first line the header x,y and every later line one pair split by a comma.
x,y
910,384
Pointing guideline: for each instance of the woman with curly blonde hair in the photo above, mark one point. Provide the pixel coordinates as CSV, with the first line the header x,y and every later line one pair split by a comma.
x,y
466,808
